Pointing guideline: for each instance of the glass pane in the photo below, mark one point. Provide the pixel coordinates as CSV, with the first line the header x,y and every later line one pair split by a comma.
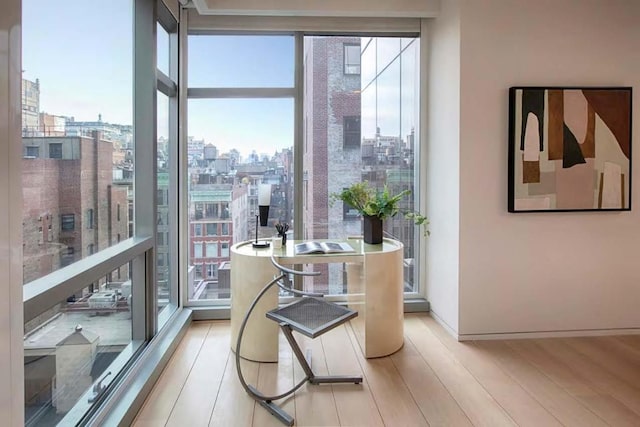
x,y
234,145
164,233
385,100
368,61
241,61
77,133
74,345
162,43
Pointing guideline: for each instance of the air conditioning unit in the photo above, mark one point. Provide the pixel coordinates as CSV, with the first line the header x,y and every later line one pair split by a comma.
x,y
103,300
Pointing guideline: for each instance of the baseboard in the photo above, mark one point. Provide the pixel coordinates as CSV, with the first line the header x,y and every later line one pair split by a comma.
x,y
533,334
549,334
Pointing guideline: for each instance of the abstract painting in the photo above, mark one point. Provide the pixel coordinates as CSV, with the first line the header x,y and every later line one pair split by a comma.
x,y
569,149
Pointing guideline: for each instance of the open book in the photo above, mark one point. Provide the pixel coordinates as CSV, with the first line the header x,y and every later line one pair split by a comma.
x,y
322,248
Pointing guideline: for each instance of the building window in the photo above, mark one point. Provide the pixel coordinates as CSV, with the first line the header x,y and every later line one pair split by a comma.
x,y
118,212
197,250
67,222
351,59
224,250
212,249
160,239
90,218
90,249
68,257
212,270
55,150
197,229
225,229
212,229
33,152
198,271
351,132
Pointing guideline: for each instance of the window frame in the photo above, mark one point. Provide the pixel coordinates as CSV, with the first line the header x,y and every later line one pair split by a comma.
x,y
345,68
57,153
66,227
349,134
378,27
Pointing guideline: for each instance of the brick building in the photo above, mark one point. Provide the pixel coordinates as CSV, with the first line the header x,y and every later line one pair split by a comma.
x,y
71,208
332,158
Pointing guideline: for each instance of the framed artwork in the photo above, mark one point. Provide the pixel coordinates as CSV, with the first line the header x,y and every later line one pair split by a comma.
x,y
569,149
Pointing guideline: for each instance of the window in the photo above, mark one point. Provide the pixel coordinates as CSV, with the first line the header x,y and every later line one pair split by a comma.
x,y
33,152
96,178
352,59
160,238
161,197
378,115
212,229
212,270
224,252
55,150
370,133
166,155
68,256
197,250
212,249
67,222
89,218
220,140
351,131
197,229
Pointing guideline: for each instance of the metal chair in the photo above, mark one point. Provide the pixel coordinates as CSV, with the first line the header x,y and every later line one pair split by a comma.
x,y
311,316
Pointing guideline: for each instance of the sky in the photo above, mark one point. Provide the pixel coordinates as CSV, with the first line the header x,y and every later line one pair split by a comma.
x,y
81,51
85,69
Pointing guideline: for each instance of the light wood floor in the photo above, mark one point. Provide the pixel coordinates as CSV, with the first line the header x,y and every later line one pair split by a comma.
x,y
433,380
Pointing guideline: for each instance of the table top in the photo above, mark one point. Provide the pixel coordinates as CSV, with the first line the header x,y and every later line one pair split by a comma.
x,y
360,248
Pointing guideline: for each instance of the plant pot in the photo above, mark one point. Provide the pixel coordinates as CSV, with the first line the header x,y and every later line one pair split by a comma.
x,y
372,230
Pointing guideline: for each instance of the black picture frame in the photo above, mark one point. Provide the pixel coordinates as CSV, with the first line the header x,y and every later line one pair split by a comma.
x,y
569,148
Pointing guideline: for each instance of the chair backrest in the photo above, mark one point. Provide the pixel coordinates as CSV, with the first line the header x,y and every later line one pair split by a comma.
x,y
286,284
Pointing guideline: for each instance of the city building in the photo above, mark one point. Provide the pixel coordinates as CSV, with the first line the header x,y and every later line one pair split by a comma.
x,y
30,107
73,209
51,125
121,135
211,225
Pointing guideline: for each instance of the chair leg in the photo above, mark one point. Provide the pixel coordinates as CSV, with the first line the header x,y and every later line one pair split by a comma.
x,y
274,409
311,377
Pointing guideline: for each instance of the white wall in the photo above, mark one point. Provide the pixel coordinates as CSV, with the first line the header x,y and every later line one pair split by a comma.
x,y
540,271
442,166
11,349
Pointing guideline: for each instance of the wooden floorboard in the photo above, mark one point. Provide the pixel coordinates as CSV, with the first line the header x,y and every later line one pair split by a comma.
x,y
434,380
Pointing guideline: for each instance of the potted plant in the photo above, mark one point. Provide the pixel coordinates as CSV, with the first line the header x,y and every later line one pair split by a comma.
x,y
376,206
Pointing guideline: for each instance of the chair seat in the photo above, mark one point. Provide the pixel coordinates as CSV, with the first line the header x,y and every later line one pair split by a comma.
x,y
312,316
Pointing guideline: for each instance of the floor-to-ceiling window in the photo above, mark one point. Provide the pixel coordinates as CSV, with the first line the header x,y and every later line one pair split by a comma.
x,y
360,118
356,110
240,135
167,170
88,244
